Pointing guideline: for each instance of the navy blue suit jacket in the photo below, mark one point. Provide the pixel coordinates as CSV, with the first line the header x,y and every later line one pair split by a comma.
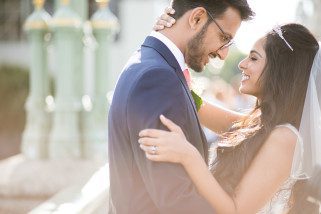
x,y
151,84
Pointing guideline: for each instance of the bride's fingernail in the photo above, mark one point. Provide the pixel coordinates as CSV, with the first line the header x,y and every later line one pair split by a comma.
x,y
162,117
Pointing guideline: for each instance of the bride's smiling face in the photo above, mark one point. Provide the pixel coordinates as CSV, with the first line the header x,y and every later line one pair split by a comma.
x,y
252,68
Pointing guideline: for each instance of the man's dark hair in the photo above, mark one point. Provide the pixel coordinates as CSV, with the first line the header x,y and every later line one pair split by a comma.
x,y
215,7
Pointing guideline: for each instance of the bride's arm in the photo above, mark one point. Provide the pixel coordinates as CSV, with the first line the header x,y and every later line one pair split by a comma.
x,y
267,173
217,118
207,185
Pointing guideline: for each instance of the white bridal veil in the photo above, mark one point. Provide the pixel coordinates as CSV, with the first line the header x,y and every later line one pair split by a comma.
x,y
310,127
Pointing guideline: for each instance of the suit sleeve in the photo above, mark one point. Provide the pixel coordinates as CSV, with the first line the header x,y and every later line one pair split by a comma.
x,y
157,92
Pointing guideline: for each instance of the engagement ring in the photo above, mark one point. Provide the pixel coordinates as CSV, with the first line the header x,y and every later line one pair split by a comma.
x,y
154,150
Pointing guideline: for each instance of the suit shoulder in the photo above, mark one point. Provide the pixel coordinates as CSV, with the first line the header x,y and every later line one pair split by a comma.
x,y
150,60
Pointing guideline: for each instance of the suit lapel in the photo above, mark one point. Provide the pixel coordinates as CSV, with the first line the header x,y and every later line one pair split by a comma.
x,y
161,48
171,60
187,90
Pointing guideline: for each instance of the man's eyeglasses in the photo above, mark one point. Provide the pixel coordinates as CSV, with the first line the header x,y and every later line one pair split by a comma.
x,y
226,38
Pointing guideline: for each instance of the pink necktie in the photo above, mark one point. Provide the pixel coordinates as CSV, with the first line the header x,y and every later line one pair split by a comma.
x,y
187,76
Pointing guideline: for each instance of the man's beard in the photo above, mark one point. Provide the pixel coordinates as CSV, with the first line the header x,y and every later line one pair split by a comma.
x,y
195,50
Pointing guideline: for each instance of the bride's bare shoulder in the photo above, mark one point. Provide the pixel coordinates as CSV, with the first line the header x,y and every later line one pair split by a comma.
x,y
278,149
283,137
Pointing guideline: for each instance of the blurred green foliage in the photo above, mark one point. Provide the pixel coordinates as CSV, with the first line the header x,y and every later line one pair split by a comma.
x,y
230,68
13,92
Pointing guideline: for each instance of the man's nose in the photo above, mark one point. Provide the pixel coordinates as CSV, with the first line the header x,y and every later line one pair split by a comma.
x,y
222,54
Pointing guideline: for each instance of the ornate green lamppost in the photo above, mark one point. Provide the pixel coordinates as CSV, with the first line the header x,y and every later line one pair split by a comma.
x,y
65,139
35,135
104,25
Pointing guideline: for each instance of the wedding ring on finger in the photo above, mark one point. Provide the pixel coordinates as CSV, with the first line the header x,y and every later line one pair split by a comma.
x,y
154,150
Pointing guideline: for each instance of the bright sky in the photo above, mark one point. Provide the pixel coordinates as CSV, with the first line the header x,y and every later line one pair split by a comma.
x,y
268,14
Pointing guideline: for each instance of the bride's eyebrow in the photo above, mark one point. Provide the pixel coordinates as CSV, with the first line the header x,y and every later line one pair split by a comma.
x,y
254,51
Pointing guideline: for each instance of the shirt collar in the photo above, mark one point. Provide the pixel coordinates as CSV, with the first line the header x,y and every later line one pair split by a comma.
x,y
172,47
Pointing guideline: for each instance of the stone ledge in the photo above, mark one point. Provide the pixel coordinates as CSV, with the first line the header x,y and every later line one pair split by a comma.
x,y
26,183
18,205
84,198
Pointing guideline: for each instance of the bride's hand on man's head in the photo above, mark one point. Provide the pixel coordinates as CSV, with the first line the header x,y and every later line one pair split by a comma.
x,y
165,20
166,146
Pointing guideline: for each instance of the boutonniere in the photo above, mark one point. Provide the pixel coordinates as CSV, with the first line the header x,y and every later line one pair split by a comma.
x,y
197,100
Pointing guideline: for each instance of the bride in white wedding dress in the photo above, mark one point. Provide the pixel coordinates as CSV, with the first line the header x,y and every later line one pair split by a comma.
x,y
260,156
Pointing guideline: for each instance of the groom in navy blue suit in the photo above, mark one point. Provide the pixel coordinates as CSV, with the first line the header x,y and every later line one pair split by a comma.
x,y
152,83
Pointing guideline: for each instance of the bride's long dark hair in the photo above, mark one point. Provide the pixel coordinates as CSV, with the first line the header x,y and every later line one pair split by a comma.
x,y
283,85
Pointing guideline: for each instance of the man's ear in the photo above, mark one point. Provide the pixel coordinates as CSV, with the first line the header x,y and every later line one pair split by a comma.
x,y
198,18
